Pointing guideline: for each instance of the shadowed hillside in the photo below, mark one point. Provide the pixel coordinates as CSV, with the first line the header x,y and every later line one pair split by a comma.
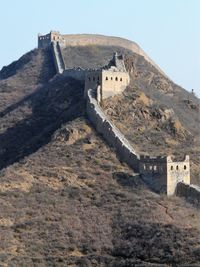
x,y
66,199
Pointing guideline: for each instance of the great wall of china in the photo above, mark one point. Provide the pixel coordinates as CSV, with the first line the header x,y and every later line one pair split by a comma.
x,y
110,133
161,173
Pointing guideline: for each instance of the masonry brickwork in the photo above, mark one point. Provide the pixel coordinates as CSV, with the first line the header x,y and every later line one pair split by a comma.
x,y
113,79
46,40
110,133
163,174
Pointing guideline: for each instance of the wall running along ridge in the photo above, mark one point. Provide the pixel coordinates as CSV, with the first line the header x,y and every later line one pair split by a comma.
x,y
190,192
96,115
110,133
93,39
75,73
161,173
58,57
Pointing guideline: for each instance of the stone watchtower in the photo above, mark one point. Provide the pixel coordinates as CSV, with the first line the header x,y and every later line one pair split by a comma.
x,y
46,40
113,78
163,174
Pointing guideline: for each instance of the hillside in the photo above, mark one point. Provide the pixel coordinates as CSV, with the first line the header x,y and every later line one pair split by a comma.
x,y
156,115
66,199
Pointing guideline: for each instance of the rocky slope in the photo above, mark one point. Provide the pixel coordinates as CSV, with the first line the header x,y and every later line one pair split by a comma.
x,y
66,200
156,115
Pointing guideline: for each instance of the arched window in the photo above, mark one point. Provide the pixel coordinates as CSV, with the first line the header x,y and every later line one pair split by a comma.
x,y
185,167
93,78
106,78
120,79
150,167
172,168
155,168
116,79
177,167
144,167
111,78
89,79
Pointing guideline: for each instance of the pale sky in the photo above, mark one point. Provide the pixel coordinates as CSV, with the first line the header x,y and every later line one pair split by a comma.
x,y
167,30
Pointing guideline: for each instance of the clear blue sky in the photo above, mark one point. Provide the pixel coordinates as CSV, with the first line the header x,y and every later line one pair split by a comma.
x,y
167,30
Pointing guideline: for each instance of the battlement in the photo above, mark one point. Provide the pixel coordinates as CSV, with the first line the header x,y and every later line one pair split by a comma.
x,y
164,173
113,78
151,159
186,158
46,40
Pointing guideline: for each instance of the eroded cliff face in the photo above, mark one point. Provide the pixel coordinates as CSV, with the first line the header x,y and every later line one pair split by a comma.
x,y
66,199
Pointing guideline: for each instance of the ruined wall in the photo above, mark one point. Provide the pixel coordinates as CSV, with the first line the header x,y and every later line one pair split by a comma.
x,y
190,192
177,171
110,133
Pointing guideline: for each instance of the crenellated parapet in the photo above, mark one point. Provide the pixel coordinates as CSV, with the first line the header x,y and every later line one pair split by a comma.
x,y
162,173
46,40
113,78
109,132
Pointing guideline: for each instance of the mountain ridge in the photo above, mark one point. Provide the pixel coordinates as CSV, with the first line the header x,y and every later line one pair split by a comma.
x,y
98,39
70,200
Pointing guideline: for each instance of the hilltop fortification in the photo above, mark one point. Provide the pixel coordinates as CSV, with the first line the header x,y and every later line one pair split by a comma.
x,y
161,173
92,39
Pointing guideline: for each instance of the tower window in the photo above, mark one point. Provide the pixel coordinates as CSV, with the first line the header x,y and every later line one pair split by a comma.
x,y
172,168
106,78
111,78
185,167
120,79
116,79
93,78
177,167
